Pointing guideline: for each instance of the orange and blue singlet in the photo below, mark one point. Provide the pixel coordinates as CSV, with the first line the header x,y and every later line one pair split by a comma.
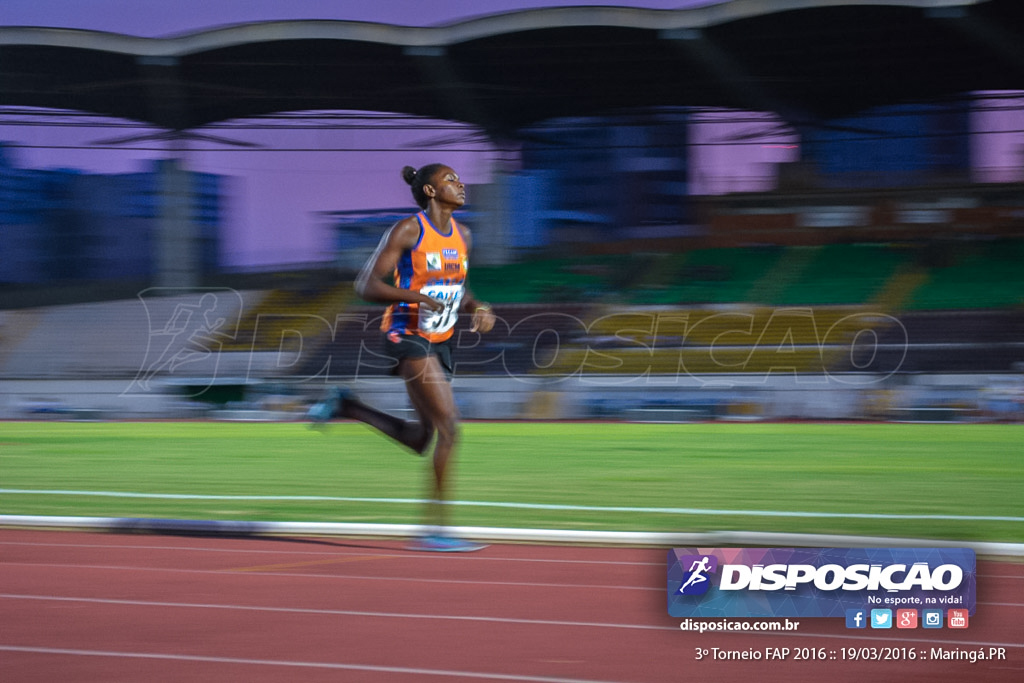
x,y
437,267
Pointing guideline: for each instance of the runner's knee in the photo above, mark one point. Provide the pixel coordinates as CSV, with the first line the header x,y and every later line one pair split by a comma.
x,y
447,427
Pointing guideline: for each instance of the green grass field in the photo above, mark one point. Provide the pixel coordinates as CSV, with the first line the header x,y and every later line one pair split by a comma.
x,y
971,471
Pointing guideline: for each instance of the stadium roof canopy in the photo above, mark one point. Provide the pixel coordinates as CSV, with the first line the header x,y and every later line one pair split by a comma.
x,y
808,60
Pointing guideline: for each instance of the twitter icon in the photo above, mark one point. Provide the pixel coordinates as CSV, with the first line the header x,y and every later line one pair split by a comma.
x,y
881,618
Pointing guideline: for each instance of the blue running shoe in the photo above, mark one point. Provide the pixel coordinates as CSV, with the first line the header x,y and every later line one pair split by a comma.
x,y
326,408
445,544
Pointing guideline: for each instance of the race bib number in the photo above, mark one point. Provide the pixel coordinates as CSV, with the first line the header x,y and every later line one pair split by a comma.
x,y
437,322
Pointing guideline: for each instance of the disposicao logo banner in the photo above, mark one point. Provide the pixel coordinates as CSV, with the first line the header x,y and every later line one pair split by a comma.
x,y
817,582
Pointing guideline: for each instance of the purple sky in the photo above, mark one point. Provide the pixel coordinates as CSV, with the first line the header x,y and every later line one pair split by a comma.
x,y
276,195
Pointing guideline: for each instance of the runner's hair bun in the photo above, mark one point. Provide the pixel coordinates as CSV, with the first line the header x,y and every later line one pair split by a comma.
x,y
408,174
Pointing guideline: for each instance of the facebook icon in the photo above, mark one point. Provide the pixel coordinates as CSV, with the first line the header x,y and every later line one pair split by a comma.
x,y
856,618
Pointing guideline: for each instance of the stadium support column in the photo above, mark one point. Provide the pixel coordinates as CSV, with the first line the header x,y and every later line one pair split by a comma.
x,y
177,258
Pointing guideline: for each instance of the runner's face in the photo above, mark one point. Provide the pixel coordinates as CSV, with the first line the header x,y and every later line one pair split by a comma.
x,y
448,189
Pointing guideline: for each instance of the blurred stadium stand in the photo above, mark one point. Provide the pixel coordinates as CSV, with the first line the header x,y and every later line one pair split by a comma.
x,y
878,267
834,311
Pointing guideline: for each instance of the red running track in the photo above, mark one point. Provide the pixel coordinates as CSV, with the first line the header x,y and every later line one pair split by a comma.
x,y
156,608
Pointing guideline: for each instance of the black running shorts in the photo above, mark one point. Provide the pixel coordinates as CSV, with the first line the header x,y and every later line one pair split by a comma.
x,y
399,346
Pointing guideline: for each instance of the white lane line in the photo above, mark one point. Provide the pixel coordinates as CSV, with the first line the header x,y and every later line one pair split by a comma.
x,y
1002,604
363,577
333,612
499,620
516,505
880,639
411,671
405,555
311,575
1002,576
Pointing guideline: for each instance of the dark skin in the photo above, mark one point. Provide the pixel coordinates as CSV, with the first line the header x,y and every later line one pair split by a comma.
x,y
429,389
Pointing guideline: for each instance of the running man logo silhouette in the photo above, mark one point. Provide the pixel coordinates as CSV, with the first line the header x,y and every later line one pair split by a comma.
x,y
186,332
696,580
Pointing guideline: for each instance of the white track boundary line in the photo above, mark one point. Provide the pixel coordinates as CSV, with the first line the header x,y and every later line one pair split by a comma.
x,y
712,539
518,506
288,663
